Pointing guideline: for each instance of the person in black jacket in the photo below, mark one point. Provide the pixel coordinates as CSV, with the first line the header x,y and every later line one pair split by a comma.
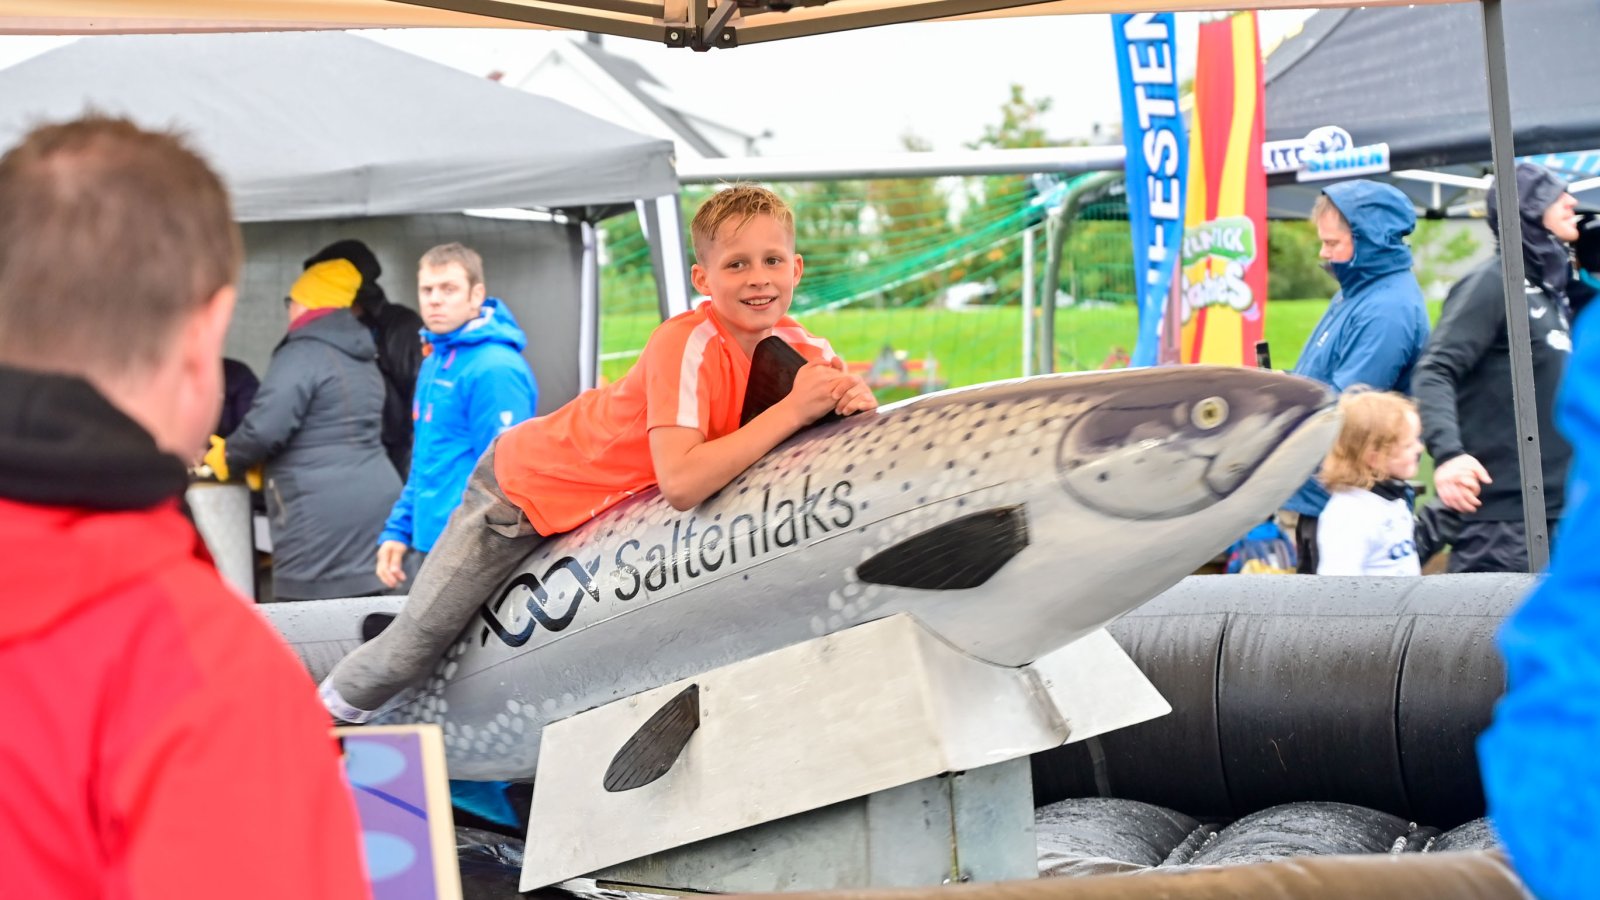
x,y
239,386
1463,383
397,330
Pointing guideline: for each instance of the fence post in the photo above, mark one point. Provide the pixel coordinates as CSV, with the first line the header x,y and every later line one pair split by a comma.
x,y
1027,300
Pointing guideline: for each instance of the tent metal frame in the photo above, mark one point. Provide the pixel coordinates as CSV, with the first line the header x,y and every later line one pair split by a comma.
x,y
1511,270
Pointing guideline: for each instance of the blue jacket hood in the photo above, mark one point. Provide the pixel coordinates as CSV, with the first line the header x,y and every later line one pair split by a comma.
x,y
494,323
1380,217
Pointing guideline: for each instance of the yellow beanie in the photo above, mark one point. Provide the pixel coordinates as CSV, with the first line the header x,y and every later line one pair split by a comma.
x,y
327,285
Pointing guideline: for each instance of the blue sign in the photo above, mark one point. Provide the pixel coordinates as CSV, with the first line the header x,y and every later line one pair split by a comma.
x,y
1158,162
1371,159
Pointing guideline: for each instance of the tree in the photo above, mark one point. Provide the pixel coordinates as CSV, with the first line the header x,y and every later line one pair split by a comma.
x,y
998,205
1435,246
1294,268
911,218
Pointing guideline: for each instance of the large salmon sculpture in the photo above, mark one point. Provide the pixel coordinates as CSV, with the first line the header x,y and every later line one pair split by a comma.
x,y
1008,519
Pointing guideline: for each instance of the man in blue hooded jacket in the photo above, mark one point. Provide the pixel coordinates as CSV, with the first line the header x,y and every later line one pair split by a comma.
x,y
1376,325
474,384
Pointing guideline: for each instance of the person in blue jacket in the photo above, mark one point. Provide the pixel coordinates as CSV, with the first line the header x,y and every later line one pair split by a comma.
x,y
1541,773
1376,325
473,385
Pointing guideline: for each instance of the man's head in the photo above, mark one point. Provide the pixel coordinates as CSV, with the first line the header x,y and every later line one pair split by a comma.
x,y
745,259
450,288
370,298
1548,221
1561,218
1543,202
118,255
1333,231
330,284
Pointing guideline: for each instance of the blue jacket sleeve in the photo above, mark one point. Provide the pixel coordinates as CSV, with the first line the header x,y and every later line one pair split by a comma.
x,y
1541,773
398,526
499,396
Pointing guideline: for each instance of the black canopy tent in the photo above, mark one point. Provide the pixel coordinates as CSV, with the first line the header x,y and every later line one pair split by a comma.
x,y
1427,95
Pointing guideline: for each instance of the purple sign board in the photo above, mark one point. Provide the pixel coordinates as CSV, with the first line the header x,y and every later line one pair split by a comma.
x,y
402,792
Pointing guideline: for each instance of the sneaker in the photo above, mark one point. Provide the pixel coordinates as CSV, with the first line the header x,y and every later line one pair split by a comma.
x,y
339,709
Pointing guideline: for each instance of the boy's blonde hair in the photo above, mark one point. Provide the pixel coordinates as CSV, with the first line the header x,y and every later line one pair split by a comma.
x,y
738,203
1373,422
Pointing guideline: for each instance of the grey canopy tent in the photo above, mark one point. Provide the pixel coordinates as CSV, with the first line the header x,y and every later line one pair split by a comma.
x,y
1414,78
324,135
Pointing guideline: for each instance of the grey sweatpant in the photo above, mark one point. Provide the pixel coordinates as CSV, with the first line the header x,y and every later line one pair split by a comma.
x,y
485,539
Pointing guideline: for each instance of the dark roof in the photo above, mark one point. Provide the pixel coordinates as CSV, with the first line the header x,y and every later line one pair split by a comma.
x,y
1414,77
631,75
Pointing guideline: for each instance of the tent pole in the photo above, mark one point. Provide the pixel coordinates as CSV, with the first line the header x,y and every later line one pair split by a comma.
x,y
663,231
1505,187
1045,343
589,311
670,238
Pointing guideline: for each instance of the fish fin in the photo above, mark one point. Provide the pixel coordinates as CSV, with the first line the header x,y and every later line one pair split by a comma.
x,y
772,370
962,553
657,744
374,624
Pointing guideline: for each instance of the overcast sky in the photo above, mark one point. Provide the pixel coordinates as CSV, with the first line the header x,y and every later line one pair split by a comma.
x,y
862,90
856,91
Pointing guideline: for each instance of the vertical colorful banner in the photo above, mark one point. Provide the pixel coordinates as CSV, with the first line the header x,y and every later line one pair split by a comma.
x,y
1224,294
1152,130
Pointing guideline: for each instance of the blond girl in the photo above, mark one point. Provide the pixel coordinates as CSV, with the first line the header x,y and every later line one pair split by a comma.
x,y
1367,527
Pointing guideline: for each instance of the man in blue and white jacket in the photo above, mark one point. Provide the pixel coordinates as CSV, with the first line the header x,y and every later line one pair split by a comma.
x,y
474,384
1375,327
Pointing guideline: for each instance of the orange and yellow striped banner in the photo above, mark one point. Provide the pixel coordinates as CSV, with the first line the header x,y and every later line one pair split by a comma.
x,y
1224,263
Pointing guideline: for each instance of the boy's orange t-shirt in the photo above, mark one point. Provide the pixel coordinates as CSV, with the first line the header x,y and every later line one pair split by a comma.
x,y
566,468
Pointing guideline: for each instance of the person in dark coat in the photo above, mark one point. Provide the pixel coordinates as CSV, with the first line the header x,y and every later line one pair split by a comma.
x,y
1463,383
317,426
397,332
239,386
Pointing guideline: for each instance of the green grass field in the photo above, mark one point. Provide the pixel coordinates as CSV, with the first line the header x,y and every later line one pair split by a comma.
x,y
980,344
985,344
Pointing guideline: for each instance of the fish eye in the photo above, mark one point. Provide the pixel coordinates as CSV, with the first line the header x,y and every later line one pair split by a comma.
x,y
1209,413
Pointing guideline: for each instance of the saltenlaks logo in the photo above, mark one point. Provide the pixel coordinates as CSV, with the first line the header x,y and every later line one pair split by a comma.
x,y
697,549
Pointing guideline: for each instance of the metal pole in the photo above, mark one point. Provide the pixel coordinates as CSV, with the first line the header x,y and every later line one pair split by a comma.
x,y
589,315
1172,322
1522,388
1055,236
1027,300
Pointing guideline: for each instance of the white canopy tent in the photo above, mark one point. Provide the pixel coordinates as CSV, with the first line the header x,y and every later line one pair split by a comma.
x,y
699,24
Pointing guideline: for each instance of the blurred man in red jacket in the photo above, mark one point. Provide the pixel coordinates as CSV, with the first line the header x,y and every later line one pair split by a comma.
x,y
143,702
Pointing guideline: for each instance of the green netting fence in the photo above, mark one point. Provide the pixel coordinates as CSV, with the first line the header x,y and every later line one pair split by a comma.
x,y
927,271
